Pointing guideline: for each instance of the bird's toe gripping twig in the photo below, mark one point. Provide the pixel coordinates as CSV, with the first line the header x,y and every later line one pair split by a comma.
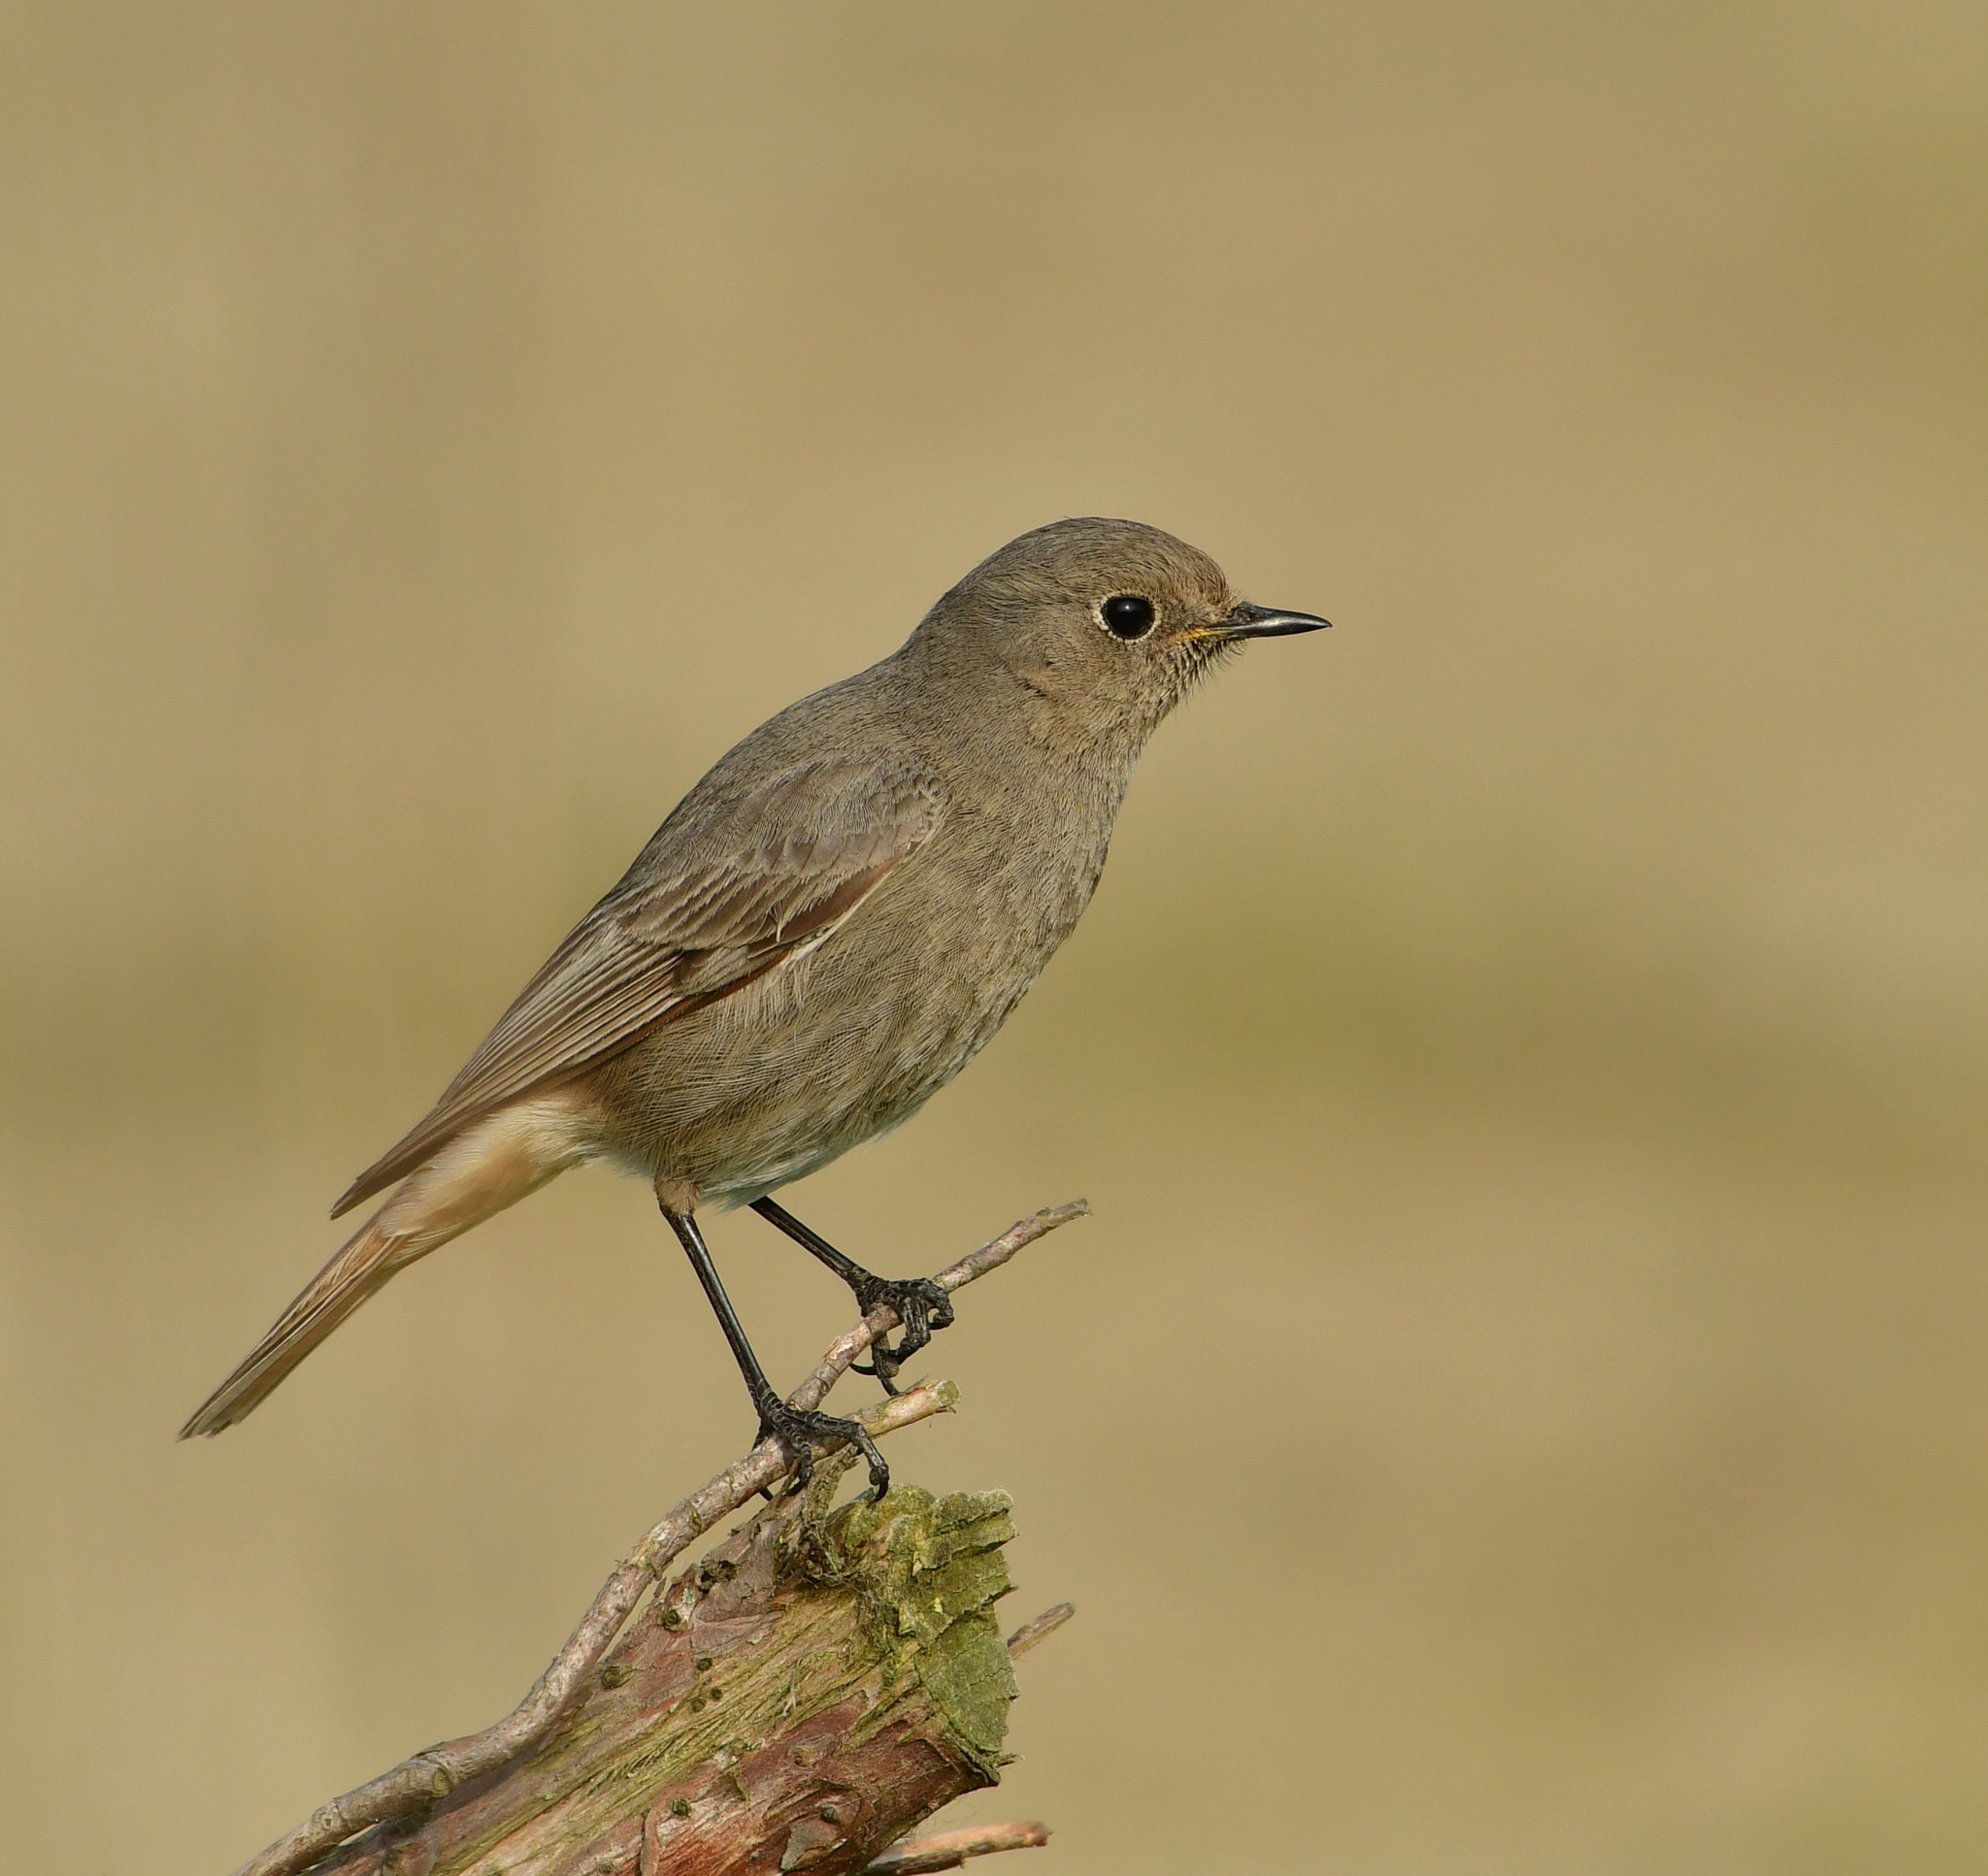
x,y
921,1305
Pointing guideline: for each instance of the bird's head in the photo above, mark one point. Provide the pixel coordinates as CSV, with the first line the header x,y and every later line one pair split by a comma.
x,y
1108,623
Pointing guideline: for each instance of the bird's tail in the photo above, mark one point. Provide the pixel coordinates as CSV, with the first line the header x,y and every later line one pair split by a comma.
x,y
485,1169
369,1257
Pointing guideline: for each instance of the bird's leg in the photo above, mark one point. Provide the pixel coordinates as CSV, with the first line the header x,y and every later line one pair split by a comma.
x,y
790,1425
922,1306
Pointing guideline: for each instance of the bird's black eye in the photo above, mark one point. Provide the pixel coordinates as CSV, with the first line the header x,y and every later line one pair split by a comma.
x,y
1127,615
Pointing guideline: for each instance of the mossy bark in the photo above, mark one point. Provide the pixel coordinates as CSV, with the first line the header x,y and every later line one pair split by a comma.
x,y
820,1682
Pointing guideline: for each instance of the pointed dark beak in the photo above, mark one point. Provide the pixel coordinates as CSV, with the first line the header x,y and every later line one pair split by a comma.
x,y
1247,621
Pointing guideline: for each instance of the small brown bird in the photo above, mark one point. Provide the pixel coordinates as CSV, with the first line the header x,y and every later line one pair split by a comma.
x,y
825,931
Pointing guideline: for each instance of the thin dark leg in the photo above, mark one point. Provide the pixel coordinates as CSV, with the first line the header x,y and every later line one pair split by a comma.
x,y
793,1429
921,1305
847,1267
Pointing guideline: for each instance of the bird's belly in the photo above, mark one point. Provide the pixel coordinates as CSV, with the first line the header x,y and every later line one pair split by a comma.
x,y
791,1072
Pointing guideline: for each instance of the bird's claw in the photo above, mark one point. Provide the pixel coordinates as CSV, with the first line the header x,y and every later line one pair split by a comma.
x,y
923,1308
801,1432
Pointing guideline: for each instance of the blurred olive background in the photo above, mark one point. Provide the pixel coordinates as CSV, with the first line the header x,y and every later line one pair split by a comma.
x,y
1520,1403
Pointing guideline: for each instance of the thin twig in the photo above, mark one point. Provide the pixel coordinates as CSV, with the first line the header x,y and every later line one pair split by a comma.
x,y
948,1848
416,1783
1030,1633
990,1257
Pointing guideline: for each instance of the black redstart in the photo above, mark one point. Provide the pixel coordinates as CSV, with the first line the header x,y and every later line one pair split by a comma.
x,y
821,937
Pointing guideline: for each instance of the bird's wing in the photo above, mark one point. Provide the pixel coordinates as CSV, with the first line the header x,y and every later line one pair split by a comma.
x,y
732,886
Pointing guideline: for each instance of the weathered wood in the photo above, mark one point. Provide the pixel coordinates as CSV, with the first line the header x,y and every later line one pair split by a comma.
x,y
817,1685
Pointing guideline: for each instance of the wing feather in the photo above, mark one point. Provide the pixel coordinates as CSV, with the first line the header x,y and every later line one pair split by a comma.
x,y
732,885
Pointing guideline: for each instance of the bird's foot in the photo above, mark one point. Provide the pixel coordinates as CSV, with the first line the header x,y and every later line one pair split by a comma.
x,y
801,1432
922,1306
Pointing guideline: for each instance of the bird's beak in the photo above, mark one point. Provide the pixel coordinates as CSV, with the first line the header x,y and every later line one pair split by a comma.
x,y
1247,621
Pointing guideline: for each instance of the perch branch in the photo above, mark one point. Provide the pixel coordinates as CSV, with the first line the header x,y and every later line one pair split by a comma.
x,y
418,1782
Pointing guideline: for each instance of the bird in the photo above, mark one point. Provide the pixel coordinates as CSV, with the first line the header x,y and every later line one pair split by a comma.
x,y
822,933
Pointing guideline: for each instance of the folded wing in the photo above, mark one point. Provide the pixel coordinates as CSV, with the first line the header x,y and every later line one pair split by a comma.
x,y
732,886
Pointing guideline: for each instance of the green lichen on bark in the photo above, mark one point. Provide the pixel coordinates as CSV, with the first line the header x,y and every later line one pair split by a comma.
x,y
927,1572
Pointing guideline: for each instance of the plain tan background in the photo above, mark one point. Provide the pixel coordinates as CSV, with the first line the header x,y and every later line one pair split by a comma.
x,y
1520,1405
